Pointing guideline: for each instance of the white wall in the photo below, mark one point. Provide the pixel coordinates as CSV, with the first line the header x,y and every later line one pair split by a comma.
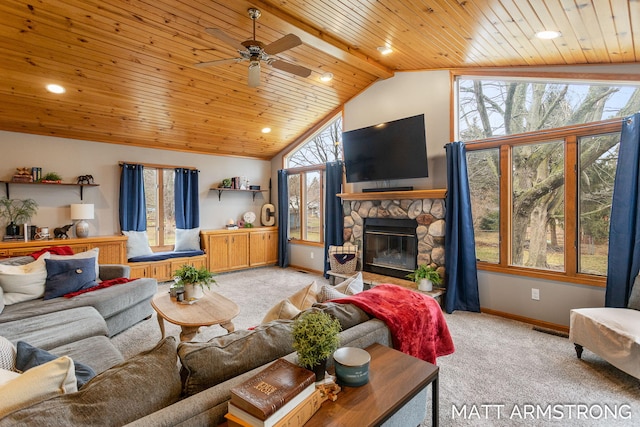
x,y
70,158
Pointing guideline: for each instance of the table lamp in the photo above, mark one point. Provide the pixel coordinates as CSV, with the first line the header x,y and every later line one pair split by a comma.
x,y
81,212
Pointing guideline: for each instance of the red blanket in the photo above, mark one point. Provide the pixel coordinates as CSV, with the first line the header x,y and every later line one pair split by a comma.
x,y
58,250
102,285
416,322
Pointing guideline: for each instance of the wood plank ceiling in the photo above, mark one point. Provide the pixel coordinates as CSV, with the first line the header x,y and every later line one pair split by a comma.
x,y
128,66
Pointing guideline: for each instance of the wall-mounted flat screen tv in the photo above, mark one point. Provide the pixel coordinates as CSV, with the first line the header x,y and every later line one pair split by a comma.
x,y
391,150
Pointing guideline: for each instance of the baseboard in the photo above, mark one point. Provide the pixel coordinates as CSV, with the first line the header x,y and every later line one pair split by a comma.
x,y
523,319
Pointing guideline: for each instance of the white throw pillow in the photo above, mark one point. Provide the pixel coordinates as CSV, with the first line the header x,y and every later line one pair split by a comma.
x,y
351,286
91,253
7,354
23,282
37,384
187,239
137,244
6,375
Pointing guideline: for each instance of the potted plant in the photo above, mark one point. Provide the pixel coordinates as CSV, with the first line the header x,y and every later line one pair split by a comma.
x,y
425,276
193,280
52,177
315,338
16,211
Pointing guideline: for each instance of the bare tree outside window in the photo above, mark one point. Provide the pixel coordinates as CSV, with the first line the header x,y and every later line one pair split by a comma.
x,y
325,146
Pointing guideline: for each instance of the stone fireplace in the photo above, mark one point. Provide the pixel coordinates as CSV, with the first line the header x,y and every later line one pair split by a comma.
x,y
390,246
426,214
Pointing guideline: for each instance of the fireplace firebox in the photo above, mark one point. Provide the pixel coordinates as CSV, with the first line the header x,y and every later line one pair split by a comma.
x,y
390,246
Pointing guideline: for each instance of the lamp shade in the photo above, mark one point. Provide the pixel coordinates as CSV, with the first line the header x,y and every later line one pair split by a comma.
x,y
81,211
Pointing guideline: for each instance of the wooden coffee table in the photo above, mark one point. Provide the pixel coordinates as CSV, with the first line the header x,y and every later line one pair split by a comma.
x,y
394,379
211,309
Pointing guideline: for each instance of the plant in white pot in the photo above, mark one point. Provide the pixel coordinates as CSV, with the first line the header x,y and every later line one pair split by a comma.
x,y
16,211
425,276
193,280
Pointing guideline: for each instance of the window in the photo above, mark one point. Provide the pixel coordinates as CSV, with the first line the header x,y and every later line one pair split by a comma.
x,y
306,165
541,165
159,190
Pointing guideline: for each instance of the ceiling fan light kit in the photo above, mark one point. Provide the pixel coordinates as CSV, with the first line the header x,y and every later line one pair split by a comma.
x,y
255,51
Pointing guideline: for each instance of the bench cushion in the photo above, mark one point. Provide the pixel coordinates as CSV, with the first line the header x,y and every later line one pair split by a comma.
x,y
611,333
160,256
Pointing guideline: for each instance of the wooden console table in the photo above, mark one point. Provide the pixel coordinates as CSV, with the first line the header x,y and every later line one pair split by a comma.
x,y
394,379
113,249
373,279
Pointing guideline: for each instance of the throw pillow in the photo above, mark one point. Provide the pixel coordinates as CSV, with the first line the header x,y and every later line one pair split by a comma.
x,y
65,276
137,244
23,282
187,240
283,310
1,299
28,357
306,296
120,395
7,375
350,286
7,354
91,253
40,383
328,293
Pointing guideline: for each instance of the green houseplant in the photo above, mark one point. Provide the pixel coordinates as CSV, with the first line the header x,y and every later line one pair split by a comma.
x,y
425,276
193,280
315,338
16,211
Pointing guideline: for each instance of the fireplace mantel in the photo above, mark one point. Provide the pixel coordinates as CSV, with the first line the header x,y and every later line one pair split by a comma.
x,y
395,195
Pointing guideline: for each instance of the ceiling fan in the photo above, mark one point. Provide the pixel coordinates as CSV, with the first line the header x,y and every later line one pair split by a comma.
x,y
255,51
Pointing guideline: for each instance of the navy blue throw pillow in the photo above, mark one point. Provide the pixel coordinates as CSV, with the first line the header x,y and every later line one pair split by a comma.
x,y
69,275
28,356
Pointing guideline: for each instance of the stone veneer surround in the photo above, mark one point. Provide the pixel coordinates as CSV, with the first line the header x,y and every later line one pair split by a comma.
x,y
429,213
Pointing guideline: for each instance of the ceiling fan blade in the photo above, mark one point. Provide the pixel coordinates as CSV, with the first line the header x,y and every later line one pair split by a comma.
x,y
254,74
217,62
222,36
298,70
282,44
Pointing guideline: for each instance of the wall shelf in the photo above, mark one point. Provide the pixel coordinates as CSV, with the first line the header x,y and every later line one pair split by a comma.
x,y
221,189
7,183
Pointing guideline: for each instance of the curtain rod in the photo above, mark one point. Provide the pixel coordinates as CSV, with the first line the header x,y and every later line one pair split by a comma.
x,y
157,166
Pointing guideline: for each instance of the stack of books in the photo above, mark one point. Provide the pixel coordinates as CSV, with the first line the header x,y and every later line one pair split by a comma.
x,y
282,395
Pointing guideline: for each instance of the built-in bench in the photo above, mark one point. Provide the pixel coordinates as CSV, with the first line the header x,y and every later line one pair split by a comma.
x,y
373,279
162,265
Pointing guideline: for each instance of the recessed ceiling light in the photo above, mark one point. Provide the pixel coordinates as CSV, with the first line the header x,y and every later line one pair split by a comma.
x,y
326,77
548,35
385,50
266,130
53,88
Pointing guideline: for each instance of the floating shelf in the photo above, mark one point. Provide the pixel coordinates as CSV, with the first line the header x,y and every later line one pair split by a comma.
x,y
7,183
221,189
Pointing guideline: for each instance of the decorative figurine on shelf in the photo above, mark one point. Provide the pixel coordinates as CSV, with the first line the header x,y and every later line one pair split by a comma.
x,y
85,179
226,183
61,232
22,175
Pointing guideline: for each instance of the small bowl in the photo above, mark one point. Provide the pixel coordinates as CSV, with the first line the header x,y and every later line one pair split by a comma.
x,y
352,366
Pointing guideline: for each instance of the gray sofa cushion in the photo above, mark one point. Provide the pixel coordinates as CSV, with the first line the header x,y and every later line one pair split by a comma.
x,y
347,314
51,330
143,384
212,362
97,352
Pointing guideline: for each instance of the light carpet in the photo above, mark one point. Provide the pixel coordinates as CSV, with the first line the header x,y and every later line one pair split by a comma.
x,y
503,373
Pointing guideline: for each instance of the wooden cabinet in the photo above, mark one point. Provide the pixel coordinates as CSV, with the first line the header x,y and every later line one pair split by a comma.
x,y
163,270
263,247
113,249
229,250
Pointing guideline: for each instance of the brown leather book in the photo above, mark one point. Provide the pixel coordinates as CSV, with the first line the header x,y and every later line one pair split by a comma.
x,y
266,392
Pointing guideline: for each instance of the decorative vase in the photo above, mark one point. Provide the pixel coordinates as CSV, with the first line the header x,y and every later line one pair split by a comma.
x,y
193,292
320,370
12,229
425,285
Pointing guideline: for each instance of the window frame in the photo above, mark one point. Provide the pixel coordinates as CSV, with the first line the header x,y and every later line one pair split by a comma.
x,y
570,135
302,171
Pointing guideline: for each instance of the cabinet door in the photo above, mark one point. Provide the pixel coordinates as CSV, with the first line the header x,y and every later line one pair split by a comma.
x,y
161,271
271,254
257,248
138,271
238,251
219,252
